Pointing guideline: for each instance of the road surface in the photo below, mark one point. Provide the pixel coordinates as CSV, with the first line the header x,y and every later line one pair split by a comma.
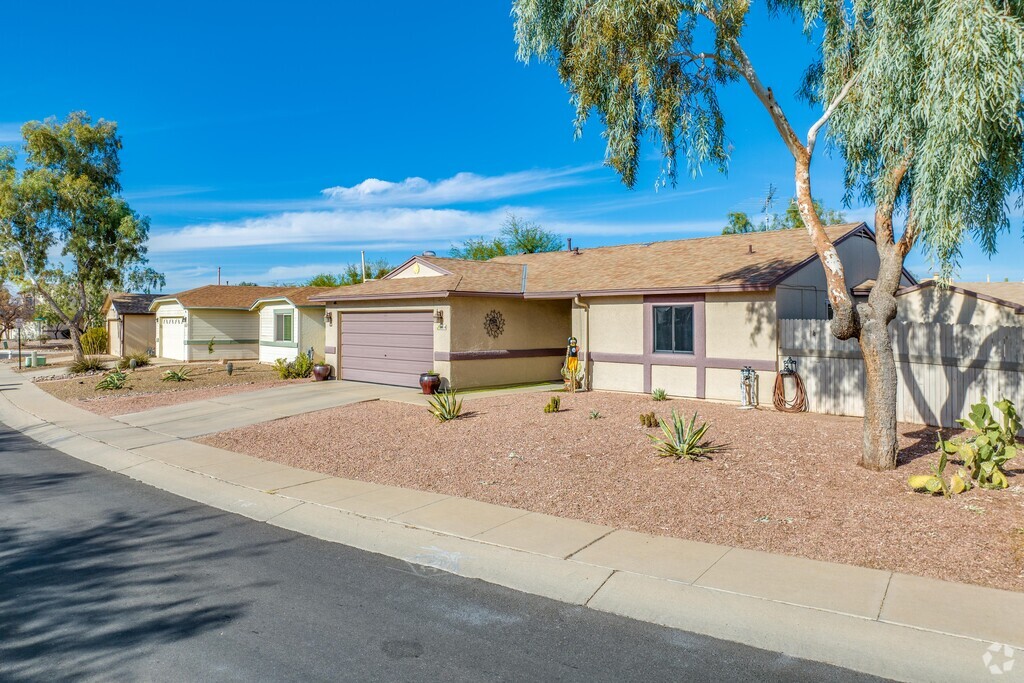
x,y
103,578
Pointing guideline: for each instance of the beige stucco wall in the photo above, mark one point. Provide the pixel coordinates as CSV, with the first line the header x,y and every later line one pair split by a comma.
x,y
935,305
618,376
529,324
311,330
724,385
741,325
616,325
416,269
675,380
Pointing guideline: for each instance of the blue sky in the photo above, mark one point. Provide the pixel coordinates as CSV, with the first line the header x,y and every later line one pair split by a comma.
x,y
277,140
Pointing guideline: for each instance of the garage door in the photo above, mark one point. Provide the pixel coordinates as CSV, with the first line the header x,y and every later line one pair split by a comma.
x,y
387,348
172,338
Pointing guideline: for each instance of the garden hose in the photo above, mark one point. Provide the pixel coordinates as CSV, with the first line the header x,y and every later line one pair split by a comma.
x,y
799,402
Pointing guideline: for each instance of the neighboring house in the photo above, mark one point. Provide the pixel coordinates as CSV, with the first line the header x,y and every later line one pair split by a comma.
x,y
963,303
131,326
187,322
684,315
290,324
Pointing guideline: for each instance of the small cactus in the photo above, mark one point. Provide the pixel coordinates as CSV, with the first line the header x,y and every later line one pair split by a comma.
x,y
648,420
554,405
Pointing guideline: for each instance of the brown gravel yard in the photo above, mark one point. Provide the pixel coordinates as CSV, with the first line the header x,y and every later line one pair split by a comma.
x,y
788,484
146,389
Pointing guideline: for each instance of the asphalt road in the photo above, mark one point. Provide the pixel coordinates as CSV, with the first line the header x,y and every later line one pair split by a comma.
x,y
104,578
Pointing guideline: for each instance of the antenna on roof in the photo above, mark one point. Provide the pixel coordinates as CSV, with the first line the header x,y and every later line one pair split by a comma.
x,y
218,275
362,260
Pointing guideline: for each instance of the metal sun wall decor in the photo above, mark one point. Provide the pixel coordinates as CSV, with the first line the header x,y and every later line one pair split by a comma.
x,y
494,324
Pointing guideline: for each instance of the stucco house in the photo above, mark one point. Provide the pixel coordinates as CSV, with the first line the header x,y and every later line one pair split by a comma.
x,y
187,322
131,326
963,303
684,315
290,323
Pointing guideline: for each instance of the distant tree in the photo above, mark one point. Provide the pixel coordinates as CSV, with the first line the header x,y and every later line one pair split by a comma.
x,y
324,280
516,237
375,270
245,283
62,219
740,222
12,307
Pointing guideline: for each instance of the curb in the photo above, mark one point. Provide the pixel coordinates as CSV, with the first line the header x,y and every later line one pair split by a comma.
x,y
860,619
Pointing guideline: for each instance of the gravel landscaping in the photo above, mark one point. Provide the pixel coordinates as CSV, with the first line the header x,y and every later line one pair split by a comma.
x,y
147,390
787,484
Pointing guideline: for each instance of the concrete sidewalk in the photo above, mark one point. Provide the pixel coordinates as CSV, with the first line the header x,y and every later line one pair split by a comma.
x,y
892,625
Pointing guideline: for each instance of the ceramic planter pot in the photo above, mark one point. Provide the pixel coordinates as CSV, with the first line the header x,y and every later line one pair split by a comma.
x,y
429,383
321,372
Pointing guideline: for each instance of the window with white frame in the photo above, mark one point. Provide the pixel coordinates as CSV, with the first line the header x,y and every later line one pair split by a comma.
x,y
283,327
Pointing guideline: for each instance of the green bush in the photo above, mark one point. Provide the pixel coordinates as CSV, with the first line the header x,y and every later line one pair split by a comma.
x,y
299,368
685,440
141,360
445,406
95,341
87,364
179,375
115,380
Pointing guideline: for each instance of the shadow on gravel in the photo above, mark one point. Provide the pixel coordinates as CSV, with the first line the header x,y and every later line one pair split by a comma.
x,y
89,596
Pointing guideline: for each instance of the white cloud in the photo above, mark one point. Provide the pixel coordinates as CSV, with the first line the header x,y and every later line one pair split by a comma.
x,y
460,188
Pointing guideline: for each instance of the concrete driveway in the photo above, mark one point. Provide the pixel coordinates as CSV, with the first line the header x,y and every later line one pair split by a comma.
x,y
188,420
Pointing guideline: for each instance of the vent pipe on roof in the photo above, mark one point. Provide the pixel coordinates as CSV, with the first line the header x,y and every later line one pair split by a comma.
x,y
750,248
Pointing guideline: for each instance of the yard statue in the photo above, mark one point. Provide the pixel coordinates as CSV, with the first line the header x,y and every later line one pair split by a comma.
x,y
572,371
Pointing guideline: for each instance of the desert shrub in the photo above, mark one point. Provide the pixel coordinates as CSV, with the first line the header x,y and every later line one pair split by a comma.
x,y
685,440
87,364
554,405
95,341
445,405
989,444
648,420
179,375
114,380
141,360
595,415
299,368
936,482
659,395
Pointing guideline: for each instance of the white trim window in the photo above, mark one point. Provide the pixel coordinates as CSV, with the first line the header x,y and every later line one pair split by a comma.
x,y
284,326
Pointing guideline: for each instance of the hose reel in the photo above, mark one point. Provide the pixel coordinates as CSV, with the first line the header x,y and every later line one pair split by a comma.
x,y
799,402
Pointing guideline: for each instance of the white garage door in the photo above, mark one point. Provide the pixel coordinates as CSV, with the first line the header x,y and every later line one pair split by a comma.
x,y
172,338
387,348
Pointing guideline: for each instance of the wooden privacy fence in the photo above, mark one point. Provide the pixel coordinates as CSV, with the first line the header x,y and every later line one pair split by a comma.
x,y
941,368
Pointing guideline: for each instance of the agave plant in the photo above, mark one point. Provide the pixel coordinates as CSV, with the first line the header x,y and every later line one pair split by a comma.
x,y
113,381
659,395
685,440
445,405
179,375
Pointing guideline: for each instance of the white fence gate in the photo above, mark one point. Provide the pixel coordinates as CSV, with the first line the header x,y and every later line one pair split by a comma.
x,y
941,368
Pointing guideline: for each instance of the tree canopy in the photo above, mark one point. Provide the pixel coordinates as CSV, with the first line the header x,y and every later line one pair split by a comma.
x,y
62,219
352,274
517,236
739,222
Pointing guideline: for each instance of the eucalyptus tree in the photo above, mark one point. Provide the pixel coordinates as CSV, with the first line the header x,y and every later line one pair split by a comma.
x,y
922,99
63,224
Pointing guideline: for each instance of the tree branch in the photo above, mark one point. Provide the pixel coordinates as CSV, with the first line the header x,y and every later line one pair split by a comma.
x,y
812,134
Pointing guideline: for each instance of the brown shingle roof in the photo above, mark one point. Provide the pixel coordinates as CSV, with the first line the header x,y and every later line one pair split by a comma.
x,y
463,276
723,262
127,303
300,296
1010,294
222,296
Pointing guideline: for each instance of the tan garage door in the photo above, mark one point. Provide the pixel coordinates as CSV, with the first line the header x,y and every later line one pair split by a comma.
x,y
387,348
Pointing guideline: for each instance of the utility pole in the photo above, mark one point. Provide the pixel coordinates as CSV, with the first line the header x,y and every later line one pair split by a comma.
x,y
362,259
19,323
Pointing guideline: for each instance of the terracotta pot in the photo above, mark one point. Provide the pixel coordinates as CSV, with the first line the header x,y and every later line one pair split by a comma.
x,y
429,383
321,372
